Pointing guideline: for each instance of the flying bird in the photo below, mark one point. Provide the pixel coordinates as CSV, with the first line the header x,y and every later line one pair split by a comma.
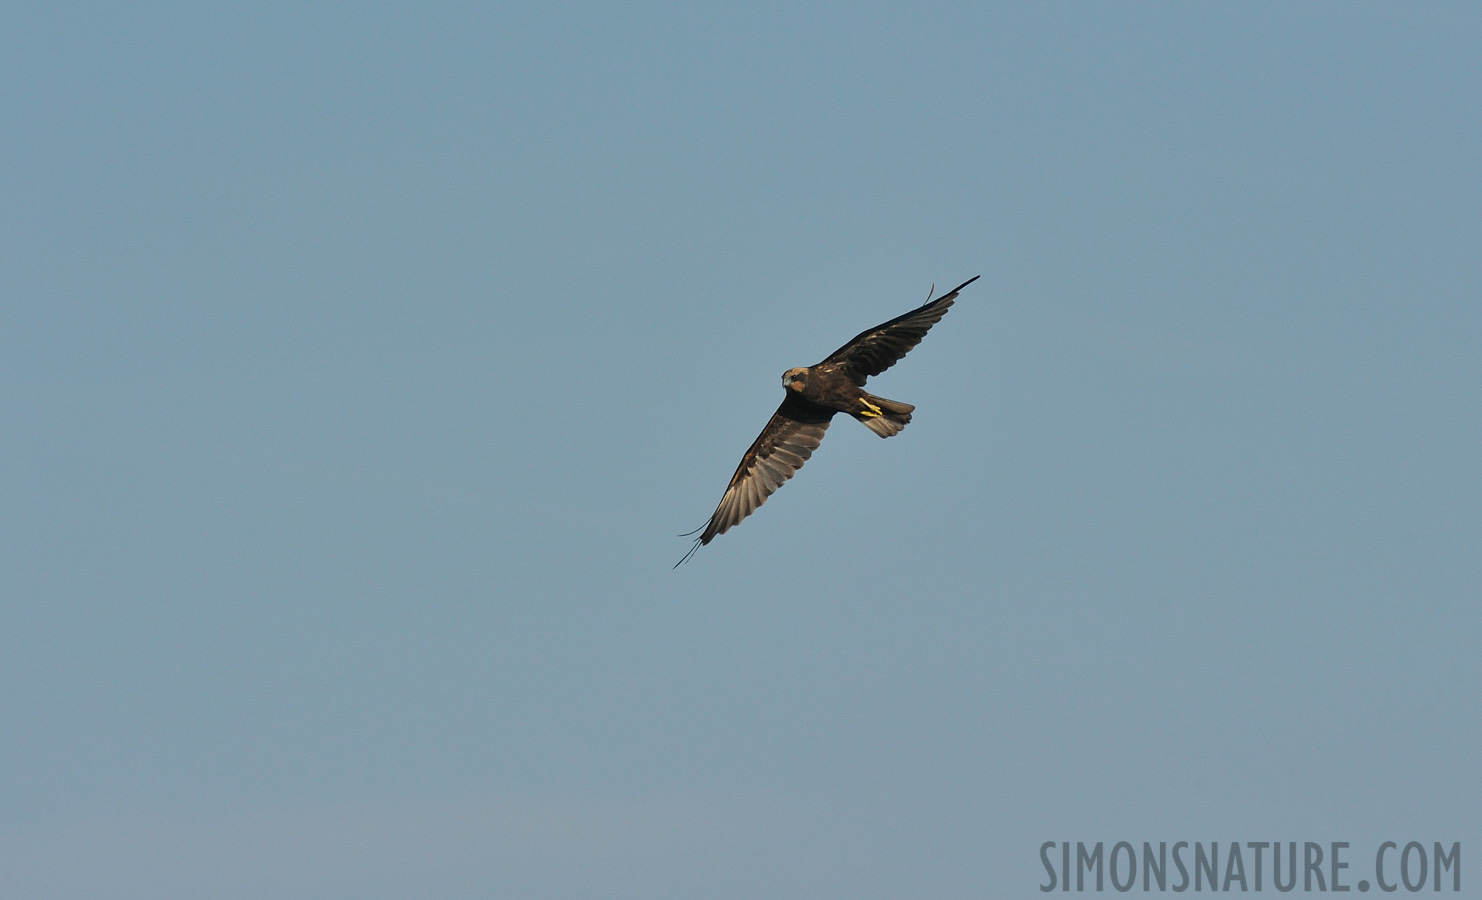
x,y
814,395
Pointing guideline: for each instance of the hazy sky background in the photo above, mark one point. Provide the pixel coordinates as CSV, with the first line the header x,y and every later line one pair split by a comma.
x,y
359,365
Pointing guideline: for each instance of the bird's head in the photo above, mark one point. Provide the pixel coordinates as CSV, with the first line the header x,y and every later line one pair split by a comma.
x,y
795,379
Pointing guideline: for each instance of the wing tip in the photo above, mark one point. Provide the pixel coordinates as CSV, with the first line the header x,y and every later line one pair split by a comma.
x,y
963,285
947,296
691,552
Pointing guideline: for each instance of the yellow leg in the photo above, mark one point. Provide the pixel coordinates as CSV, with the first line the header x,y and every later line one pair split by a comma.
x,y
870,410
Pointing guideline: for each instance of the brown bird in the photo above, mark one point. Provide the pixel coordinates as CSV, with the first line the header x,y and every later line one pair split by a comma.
x,y
814,395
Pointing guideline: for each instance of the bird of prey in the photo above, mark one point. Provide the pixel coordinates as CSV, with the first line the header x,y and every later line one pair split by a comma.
x,y
814,395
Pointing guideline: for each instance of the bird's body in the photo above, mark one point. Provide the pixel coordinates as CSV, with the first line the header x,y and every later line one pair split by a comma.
x,y
815,394
830,386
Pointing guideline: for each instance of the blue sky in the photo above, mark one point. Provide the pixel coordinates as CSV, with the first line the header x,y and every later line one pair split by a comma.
x,y
360,365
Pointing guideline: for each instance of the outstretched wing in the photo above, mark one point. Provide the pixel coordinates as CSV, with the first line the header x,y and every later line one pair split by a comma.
x,y
780,450
872,352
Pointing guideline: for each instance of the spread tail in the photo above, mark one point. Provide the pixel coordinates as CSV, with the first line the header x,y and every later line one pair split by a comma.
x,y
884,417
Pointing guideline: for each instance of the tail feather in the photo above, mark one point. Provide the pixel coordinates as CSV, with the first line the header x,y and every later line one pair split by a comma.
x,y
894,416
